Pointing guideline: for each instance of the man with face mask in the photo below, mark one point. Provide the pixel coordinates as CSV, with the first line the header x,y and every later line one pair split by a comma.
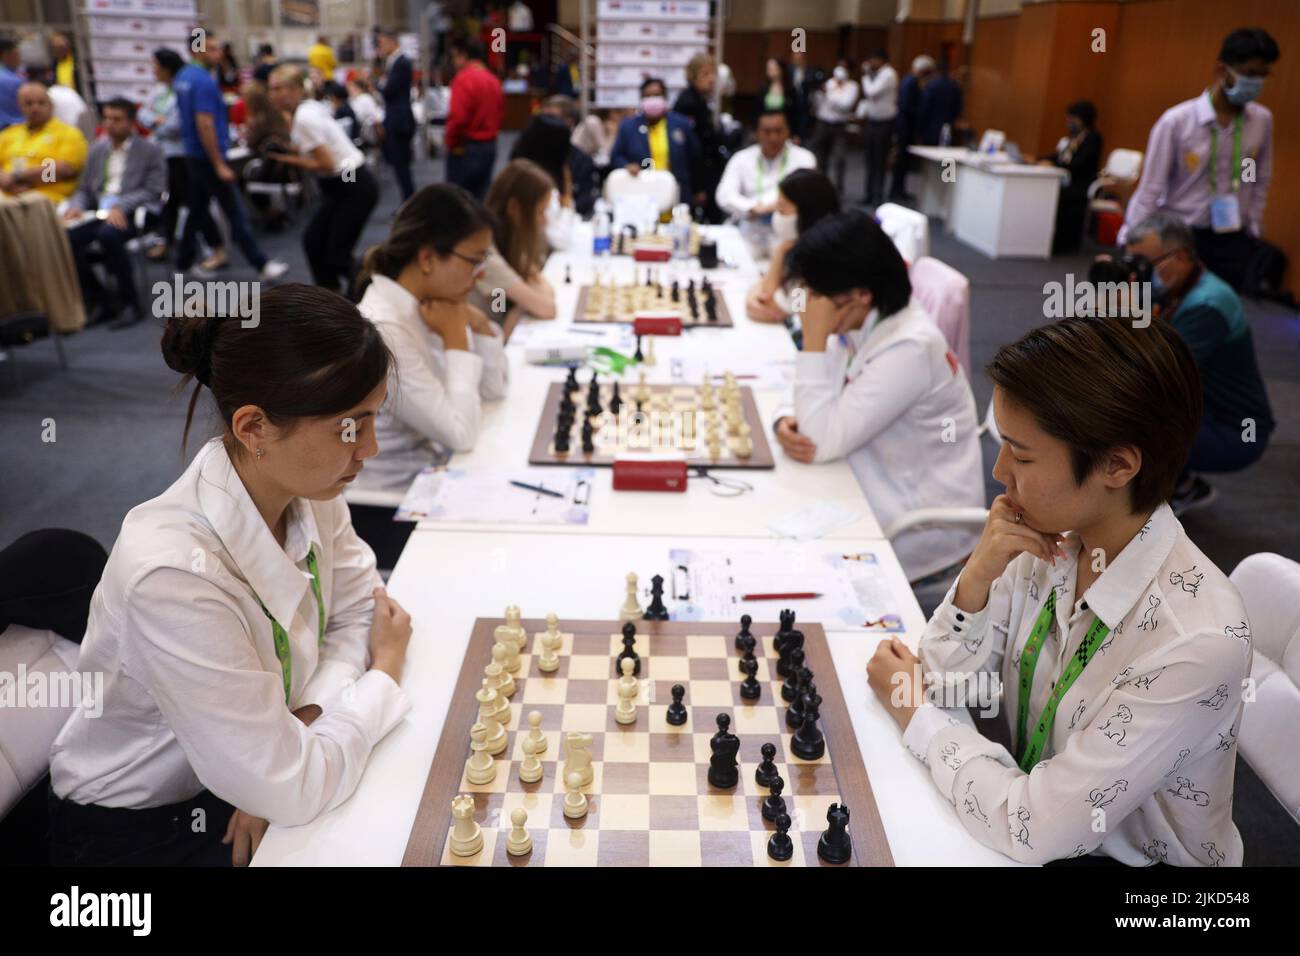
x,y
835,106
1238,419
748,188
1209,159
655,137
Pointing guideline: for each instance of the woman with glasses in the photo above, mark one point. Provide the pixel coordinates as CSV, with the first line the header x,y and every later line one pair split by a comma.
x,y
448,356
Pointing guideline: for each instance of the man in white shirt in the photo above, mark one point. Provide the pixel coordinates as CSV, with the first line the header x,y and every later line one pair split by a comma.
x,y
834,110
748,188
877,109
1117,653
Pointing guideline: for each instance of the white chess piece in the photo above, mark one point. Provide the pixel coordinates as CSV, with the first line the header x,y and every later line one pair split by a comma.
x,y
744,443
509,650
648,357
487,715
577,758
549,662
504,683
631,610
575,801
480,768
513,622
466,835
530,769
498,706
519,843
625,712
535,731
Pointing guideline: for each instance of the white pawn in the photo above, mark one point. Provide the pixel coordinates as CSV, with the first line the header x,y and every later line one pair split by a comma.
x,y
466,834
744,444
535,731
631,610
551,641
625,712
648,357
519,843
530,769
480,768
575,801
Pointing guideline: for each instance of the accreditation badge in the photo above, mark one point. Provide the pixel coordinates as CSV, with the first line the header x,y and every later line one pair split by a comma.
x,y
1225,213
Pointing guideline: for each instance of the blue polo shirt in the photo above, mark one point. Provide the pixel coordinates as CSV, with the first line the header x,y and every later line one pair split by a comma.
x,y
197,92
9,83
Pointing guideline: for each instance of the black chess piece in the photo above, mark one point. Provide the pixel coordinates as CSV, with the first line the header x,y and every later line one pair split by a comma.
x,y
750,689
648,283
794,713
676,292
562,441
766,770
835,845
638,355
724,773
745,621
791,686
787,640
588,443
568,276
676,712
656,611
787,622
748,654
808,742
629,650
571,383
774,803
779,845
615,400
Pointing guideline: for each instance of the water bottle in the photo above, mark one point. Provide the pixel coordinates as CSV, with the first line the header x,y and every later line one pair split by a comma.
x,y
945,135
681,231
600,244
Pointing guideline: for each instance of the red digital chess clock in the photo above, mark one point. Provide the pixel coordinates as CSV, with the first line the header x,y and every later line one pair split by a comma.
x,y
649,474
657,323
652,253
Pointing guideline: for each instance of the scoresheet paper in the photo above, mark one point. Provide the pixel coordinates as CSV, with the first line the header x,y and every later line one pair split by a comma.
x,y
710,586
488,497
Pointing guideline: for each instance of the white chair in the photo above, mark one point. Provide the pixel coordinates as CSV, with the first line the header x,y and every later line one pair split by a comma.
x,y
657,183
1270,586
1123,169
908,229
945,294
992,141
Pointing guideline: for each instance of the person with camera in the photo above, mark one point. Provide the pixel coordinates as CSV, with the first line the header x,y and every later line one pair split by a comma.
x,y
1209,159
1238,419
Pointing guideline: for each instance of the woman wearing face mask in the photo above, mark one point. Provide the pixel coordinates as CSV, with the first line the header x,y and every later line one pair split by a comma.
x,y
1131,647
1079,154
1198,154
655,138
803,199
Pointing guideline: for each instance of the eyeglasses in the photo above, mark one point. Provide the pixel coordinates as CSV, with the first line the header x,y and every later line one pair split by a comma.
x,y
476,261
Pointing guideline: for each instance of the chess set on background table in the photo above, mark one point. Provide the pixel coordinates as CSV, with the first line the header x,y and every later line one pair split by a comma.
x,y
717,427
646,742
695,304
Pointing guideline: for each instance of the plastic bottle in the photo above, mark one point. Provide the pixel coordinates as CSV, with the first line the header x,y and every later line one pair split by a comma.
x,y
600,231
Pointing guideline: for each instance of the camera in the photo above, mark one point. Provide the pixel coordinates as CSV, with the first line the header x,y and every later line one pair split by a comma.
x,y
1121,268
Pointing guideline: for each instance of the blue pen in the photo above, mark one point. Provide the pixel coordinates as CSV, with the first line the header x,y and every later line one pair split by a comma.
x,y
537,488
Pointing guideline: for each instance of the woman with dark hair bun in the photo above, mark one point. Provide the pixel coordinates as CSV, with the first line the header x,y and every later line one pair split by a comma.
x,y
803,198
250,656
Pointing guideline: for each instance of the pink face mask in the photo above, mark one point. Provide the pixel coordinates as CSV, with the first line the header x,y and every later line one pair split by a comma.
x,y
654,106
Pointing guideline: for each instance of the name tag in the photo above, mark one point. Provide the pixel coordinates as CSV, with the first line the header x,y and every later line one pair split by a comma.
x,y
1225,213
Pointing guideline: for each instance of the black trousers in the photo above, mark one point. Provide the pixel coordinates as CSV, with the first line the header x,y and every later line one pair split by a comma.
x,y
397,153
828,142
112,245
1226,254
179,834
333,232
178,193
204,187
472,167
878,135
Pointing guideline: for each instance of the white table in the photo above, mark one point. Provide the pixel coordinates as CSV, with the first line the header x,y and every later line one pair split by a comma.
x,y
934,192
446,579
1006,209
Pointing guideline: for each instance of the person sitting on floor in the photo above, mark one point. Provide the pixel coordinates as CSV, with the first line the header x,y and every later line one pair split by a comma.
x,y
1238,420
123,173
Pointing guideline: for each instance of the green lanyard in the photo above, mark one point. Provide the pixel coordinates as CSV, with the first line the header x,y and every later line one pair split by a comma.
x,y
1029,661
1214,151
785,158
281,638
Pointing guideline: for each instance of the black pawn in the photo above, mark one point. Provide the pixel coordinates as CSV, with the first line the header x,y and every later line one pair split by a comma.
x,y
748,652
835,845
656,611
794,713
745,621
615,400
750,689
588,440
629,640
779,845
637,354
790,689
571,383
676,712
808,742
774,803
766,770
676,291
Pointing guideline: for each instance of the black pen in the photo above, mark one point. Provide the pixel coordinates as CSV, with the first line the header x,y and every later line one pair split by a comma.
x,y
537,488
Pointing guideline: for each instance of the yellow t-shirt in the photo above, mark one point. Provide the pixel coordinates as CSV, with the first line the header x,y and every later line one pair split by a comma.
x,y
55,140
63,72
321,57
658,136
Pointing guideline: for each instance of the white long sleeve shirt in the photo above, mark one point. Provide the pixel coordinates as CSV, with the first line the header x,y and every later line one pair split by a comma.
x,y
893,400
560,223
435,395
879,95
194,694
1139,763
750,179
837,102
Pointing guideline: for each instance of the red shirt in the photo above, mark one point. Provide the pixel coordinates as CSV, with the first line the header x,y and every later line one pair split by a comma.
x,y
478,106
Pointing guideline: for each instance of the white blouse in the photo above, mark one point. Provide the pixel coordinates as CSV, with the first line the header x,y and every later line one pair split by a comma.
x,y
1138,764
435,394
193,692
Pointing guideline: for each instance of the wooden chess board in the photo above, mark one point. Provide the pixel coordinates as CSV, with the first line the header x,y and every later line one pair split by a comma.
x,y
650,803
664,429
621,304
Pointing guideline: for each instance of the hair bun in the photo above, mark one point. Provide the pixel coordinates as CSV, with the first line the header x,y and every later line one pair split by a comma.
x,y
187,345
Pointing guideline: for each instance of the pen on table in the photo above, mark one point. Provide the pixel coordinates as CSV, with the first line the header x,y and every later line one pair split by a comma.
x,y
792,596
537,488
